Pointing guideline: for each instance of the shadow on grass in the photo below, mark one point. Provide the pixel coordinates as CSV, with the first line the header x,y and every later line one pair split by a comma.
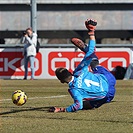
x,y
63,117
24,109
98,120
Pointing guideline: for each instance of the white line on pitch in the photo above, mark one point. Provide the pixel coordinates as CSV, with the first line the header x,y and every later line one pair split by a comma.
x,y
58,96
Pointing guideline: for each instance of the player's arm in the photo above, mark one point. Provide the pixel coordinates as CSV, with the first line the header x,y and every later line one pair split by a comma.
x,y
91,26
87,58
77,105
90,49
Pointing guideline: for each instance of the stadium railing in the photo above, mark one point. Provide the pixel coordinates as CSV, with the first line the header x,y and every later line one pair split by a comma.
x,y
67,45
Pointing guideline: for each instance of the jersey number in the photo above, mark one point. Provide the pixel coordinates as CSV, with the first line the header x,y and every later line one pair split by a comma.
x,y
90,82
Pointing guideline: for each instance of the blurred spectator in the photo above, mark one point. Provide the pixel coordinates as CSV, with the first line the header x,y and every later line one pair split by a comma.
x,y
129,72
2,41
119,72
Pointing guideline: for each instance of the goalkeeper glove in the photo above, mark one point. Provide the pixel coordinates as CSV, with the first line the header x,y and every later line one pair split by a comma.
x,y
55,109
91,26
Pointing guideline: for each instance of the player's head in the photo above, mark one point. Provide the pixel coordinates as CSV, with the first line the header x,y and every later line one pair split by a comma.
x,y
63,75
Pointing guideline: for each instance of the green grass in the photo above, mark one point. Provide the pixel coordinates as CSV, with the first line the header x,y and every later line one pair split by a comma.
x,y
33,117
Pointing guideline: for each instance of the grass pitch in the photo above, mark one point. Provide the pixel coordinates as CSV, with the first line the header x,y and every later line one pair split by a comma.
x,y
33,117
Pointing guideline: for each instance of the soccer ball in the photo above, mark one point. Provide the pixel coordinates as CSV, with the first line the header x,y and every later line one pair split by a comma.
x,y
19,97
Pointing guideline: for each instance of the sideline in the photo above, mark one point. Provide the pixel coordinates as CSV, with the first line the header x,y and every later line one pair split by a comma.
x,y
58,96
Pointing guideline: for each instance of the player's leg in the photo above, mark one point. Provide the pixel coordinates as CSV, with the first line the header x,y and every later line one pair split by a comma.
x,y
32,59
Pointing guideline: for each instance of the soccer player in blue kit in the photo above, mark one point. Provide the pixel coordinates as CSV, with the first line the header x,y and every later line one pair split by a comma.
x,y
89,90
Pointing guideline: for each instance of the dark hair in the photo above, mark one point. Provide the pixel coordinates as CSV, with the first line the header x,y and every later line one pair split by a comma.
x,y
62,74
28,29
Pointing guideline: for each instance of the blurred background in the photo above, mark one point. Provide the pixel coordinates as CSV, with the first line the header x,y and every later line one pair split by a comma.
x,y
60,20
56,22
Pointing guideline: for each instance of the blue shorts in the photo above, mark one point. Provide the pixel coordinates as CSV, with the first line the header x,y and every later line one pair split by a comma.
x,y
111,81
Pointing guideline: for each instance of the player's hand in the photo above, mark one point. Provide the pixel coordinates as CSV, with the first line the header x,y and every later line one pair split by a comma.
x,y
55,109
91,26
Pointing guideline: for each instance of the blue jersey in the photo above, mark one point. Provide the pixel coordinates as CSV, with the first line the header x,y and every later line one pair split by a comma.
x,y
86,85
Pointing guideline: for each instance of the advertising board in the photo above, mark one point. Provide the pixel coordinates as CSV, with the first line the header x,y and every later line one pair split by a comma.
x,y
48,59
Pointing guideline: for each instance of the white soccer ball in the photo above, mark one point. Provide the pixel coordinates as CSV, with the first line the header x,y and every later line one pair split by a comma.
x,y
19,97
